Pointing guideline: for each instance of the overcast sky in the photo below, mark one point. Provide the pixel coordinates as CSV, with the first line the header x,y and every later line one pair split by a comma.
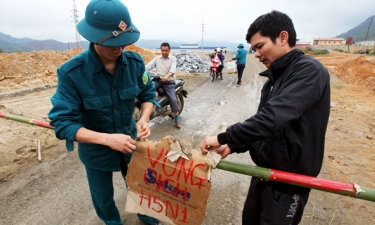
x,y
183,21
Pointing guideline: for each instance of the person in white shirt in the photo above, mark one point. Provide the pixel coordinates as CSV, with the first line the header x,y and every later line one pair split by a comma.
x,y
166,68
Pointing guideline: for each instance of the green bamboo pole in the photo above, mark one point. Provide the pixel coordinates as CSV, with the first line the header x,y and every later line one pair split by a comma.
x,y
27,120
351,190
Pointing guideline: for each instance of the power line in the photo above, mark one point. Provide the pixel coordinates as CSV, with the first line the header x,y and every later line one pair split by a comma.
x,y
202,33
75,16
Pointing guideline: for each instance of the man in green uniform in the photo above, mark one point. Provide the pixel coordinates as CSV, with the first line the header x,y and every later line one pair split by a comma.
x,y
94,101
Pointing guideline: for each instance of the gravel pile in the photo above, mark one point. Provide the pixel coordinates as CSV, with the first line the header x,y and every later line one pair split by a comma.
x,y
191,63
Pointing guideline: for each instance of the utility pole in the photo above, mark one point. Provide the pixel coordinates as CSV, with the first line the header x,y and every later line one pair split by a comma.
x,y
202,33
75,16
364,43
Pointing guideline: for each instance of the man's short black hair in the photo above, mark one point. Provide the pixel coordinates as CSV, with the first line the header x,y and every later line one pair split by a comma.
x,y
270,25
165,44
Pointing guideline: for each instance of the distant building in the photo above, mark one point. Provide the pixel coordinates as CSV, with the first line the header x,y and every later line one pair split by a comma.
x,y
328,41
366,43
302,44
189,46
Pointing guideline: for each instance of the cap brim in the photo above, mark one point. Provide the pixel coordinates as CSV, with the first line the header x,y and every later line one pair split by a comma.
x,y
94,35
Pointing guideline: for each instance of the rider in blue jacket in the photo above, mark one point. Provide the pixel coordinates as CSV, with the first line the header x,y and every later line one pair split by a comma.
x,y
221,56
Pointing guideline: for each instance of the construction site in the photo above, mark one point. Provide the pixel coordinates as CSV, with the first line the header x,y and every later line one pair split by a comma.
x,y
41,183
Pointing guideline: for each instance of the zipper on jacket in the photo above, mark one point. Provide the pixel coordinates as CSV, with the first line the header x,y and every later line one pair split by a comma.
x,y
270,93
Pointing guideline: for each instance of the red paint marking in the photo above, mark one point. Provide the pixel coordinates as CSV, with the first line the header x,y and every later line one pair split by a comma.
x,y
312,182
152,161
155,203
41,123
201,180
170,206
178,166
164,166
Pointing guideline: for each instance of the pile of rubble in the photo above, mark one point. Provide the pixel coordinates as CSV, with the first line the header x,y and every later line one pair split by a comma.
x,y
29,70
191,63
37,69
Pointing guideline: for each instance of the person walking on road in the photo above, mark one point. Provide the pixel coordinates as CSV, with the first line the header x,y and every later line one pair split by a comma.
x,y
166,69
288,130
94,102
241,62
221,57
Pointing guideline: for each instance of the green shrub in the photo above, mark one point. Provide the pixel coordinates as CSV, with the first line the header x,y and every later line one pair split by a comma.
x,y
320,52
313,51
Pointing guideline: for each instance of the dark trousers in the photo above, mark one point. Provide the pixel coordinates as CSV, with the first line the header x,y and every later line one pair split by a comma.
x,y
267,206
240,68
101,188
169,88
220,68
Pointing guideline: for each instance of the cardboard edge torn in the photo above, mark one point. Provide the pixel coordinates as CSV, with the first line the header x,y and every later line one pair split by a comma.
x,y
212,158
178,149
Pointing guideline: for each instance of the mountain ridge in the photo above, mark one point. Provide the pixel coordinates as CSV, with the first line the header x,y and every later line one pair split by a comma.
x,y
362,32
11,44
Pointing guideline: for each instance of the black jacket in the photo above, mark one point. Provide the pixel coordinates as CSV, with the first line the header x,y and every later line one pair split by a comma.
x,y
288,131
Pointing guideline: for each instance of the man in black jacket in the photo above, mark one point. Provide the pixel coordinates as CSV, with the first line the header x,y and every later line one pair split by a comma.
x,y
288,131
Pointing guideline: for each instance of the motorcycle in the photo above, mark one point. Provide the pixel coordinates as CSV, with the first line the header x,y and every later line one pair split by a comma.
x,y
214,70
161,97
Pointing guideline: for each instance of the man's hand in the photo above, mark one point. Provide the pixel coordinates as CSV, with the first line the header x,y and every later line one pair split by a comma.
x,y
166,77
120,142
209,143
223,150
143,129
212,144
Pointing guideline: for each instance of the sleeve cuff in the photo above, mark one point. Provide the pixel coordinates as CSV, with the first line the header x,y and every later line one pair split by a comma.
x,y
223,138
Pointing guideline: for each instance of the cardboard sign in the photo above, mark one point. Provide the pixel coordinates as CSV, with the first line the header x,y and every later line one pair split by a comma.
x,y
173,192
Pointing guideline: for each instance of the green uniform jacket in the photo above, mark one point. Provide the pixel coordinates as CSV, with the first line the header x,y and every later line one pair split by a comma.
x,y
87,95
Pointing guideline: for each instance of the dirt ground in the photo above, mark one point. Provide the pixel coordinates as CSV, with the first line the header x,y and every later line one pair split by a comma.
x,y
350,149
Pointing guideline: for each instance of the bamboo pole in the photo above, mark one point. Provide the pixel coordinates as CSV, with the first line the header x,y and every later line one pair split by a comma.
x,y
347,189
26,120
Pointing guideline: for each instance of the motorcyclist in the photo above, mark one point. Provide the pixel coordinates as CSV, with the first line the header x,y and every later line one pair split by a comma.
x,y
166,69
222,57
219,57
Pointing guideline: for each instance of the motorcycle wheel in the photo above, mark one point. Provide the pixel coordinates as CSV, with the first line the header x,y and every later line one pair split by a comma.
x,y
180,104
213,74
